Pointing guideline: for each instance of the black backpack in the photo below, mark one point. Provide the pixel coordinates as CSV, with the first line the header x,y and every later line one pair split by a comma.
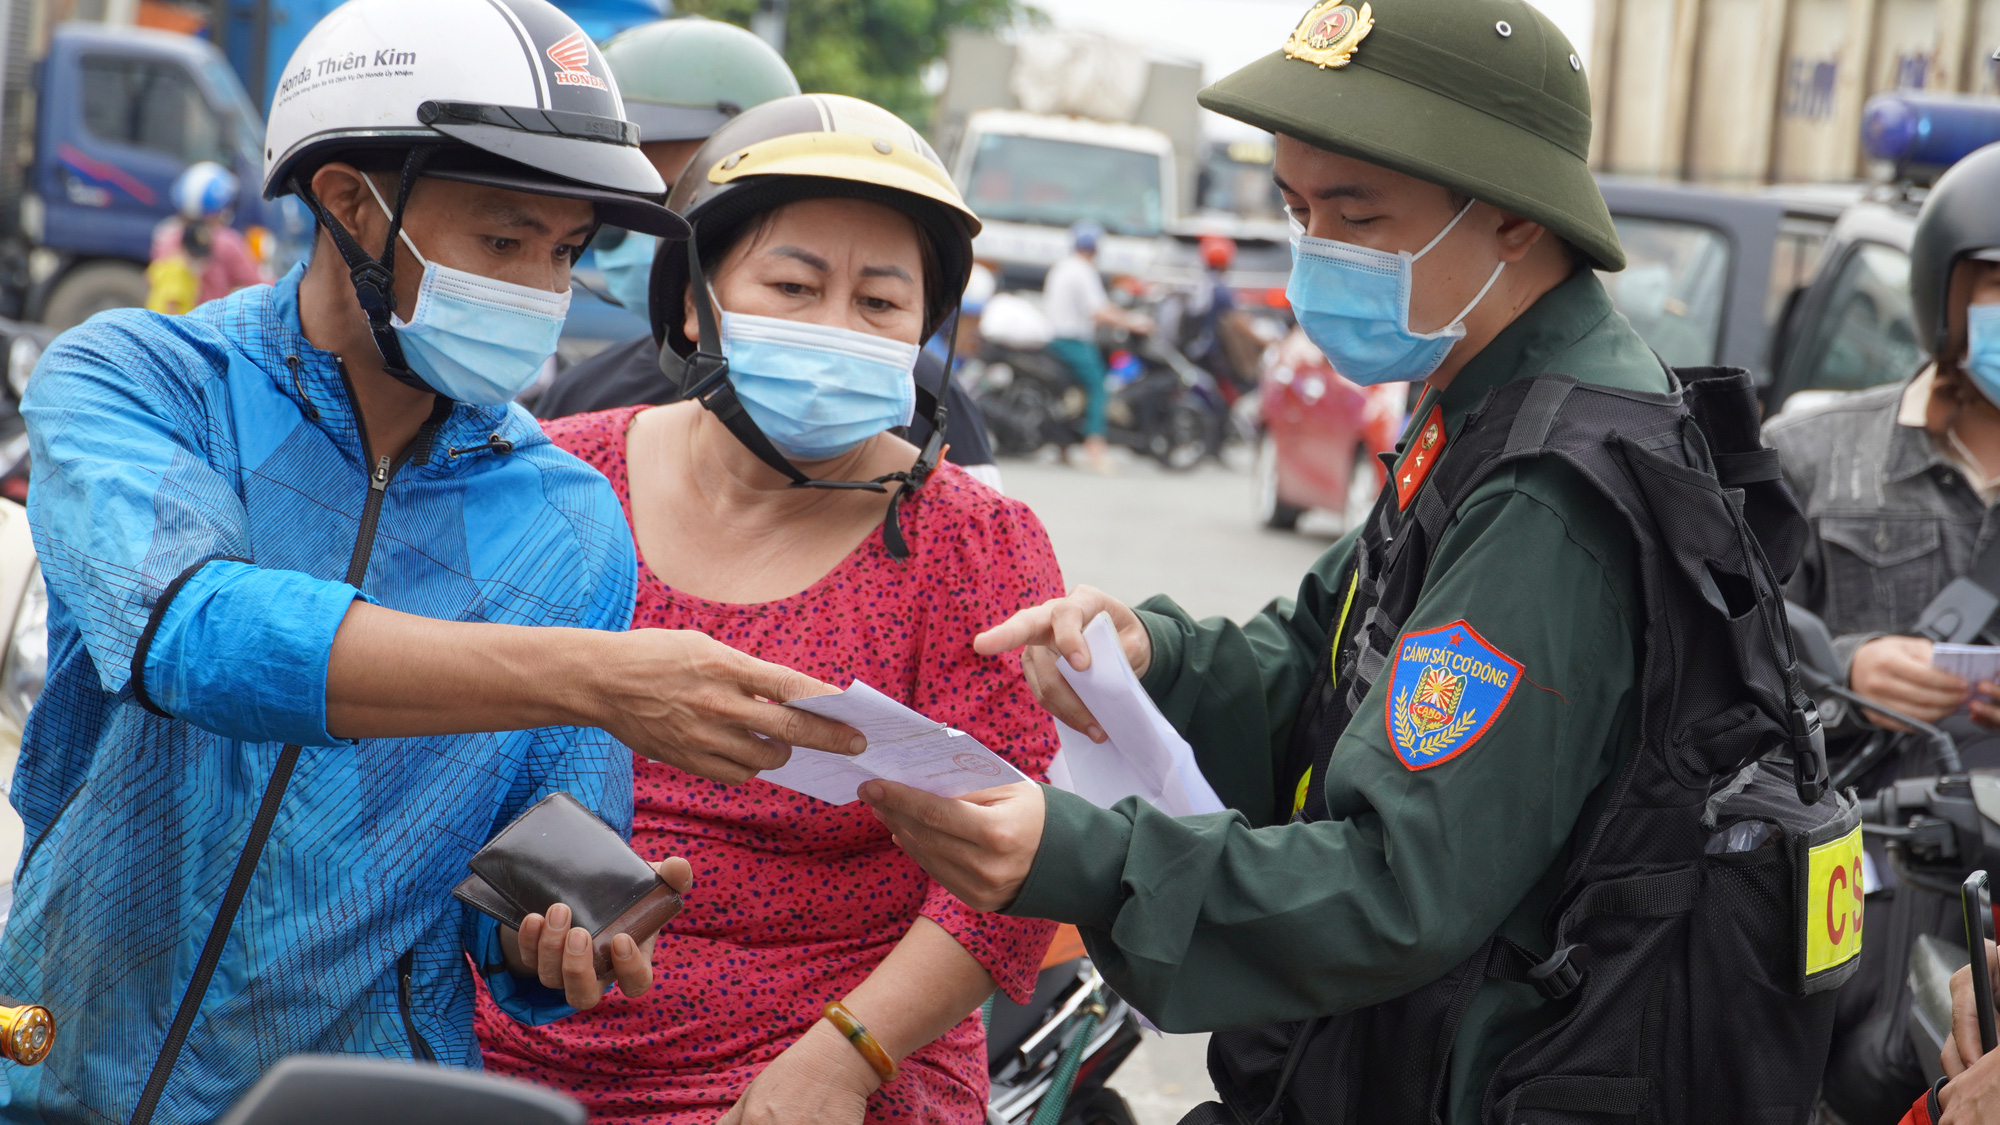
x,y
1689,982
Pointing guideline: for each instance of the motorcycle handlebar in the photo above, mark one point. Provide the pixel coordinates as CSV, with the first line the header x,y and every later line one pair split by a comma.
x,y
1942,743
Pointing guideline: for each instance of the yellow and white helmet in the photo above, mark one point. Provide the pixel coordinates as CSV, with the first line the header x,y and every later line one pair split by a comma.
x,y
807,147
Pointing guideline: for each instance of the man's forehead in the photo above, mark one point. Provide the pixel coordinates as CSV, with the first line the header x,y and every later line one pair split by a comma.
x,y
515,208
1317,173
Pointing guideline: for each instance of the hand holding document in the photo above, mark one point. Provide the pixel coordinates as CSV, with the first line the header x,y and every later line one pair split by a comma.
x,y
1976,664
1144,757
903,746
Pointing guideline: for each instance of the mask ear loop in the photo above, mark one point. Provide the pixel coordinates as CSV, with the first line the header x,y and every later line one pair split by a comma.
x,y
1448,228
1483,291
374,279
705,379
396,223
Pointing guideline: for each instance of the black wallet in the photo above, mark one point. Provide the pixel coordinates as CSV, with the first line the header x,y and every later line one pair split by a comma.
x,y
558,851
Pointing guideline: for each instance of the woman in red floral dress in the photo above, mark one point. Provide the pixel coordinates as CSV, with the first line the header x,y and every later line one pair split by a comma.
x,y
797,902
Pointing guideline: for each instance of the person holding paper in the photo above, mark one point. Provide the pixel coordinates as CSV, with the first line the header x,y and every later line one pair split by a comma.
x,y
1416,748
1899,484
326,612
1900,481
841,247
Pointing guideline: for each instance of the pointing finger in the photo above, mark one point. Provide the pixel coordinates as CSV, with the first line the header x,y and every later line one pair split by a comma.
x,y
1068,620
1030,626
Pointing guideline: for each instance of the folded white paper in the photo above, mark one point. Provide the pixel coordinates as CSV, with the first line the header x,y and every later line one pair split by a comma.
x,y
1976,664
1145,757
902,746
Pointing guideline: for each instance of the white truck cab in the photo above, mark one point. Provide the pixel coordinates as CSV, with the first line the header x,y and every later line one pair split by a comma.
x,y
1031,176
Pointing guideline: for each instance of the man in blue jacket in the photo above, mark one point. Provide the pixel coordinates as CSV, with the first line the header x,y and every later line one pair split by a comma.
x,y
326,611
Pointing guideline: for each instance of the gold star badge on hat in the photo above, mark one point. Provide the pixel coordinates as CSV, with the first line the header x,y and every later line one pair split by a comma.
x,y
1329,33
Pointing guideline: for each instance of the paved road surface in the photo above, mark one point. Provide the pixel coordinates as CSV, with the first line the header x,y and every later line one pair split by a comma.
x,y
1146,531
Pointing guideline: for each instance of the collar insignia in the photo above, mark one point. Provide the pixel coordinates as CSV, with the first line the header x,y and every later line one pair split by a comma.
x,y
1329,33
1415,467
1445,689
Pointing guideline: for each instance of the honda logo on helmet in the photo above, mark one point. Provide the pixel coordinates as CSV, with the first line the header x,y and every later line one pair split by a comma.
x,y
571,54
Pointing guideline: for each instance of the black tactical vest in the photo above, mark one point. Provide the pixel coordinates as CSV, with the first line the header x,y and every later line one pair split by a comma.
x,y
1682,983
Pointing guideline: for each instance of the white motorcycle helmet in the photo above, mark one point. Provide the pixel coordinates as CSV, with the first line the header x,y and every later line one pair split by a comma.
x,y
506,93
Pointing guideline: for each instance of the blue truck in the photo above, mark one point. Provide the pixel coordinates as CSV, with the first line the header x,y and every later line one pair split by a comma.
x,y
111,115
95,128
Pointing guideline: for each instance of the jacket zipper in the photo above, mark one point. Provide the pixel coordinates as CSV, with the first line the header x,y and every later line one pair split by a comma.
x,y
357,572
378,491
420,1048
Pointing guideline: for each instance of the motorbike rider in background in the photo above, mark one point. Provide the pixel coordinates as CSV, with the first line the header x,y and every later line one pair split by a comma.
x,y
1213,330
1075,303
293,543
1899,485
197,256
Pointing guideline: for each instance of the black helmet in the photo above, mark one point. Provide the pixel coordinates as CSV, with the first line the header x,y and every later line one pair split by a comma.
x,y
812,146
1960,219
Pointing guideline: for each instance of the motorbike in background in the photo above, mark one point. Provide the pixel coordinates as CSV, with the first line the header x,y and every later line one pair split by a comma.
x,y
1049,1059
1924,835
1158,403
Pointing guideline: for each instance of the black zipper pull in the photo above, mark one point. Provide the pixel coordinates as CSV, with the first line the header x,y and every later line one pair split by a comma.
x,y
299,385
380,481
496,444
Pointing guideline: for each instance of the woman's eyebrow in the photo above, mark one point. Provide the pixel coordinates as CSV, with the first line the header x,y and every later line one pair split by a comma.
x,y
887,271
800,254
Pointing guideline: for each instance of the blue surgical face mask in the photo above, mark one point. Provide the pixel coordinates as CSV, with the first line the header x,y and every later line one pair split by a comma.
x,y
818,392
628,270
1982,353
477,339
1354,305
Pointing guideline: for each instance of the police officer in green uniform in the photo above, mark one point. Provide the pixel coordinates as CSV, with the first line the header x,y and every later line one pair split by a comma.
x,y
1435,153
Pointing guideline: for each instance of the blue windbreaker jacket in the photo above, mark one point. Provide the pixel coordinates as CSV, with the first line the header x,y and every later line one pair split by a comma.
x,y
197,496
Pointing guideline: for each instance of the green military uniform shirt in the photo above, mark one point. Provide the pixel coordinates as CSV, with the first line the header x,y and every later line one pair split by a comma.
x,y
1241,919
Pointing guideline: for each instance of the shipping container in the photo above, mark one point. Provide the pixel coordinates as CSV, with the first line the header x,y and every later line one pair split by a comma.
x,y
1771,91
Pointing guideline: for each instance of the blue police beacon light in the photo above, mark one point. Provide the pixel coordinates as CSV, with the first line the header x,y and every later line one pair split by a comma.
x,y
1915,130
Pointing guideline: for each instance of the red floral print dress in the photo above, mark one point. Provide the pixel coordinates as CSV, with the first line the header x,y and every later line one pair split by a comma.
x,y
795,901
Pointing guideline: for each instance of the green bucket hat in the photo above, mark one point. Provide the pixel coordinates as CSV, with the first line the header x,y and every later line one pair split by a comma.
x,y
682,79
1485,97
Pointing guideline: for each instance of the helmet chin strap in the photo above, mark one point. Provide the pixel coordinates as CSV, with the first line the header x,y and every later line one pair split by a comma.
x,y
374,279
704,377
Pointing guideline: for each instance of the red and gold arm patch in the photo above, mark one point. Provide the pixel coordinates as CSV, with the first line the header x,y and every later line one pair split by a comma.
x,y
1446,686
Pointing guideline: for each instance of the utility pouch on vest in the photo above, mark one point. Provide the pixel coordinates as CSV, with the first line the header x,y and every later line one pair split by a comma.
x,y
1763,844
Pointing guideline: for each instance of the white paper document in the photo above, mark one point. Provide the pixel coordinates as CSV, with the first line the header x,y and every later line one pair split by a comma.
x,y
1977,664
1145,757
902,746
